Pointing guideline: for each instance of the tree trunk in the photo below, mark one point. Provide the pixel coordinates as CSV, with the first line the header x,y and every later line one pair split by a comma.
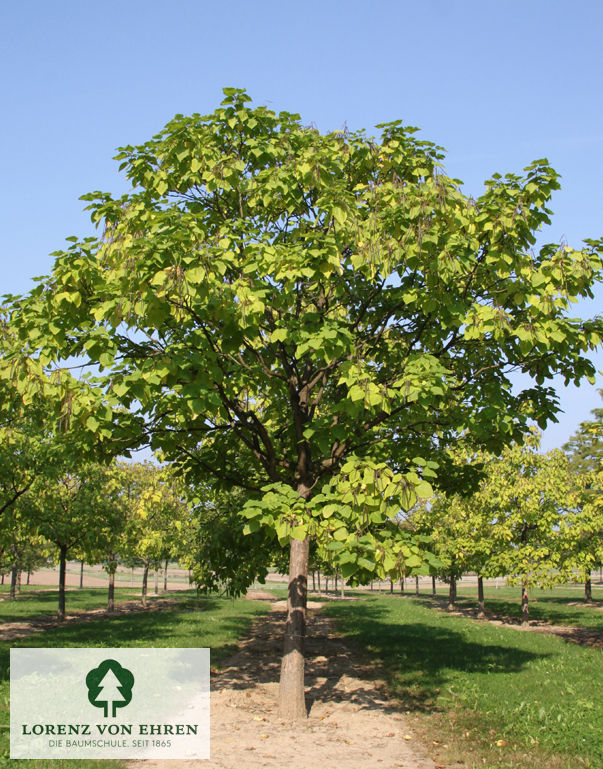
x,y
525,606
2,577
335,588
28,576
62,573
111,598
391,586
326,585
313,581
145,579
319,580
402,585
371,584
452,594
13,583
165,576
417,585
19,581
588,588
481,606
342,587
292,701
81,573
434,592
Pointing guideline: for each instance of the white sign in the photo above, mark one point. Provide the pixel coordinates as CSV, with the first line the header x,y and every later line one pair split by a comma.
x,y
109,703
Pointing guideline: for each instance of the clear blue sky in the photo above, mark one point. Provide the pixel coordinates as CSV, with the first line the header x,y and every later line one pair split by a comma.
x,y
497,84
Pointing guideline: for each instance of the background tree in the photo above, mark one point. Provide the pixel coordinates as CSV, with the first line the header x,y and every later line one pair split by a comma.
x,y
584,528
157,511
302,315
527,495
72,511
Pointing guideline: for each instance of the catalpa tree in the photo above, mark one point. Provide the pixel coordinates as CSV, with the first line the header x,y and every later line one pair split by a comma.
x,y
314,318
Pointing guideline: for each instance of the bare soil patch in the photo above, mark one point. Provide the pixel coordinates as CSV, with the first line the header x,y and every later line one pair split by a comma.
x,y
21,628
351,724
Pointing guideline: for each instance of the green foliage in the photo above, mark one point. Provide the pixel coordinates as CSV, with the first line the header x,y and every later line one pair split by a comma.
x,y
271,304
527,495
222,551
516,522
583,527
155,511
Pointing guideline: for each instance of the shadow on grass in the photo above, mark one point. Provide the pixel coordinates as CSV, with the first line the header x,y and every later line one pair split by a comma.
x,y
44,603
191,623
419,659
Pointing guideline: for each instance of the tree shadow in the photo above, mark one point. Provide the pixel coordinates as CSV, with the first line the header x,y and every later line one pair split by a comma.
x,y
162,627
419,659
543,609
415,659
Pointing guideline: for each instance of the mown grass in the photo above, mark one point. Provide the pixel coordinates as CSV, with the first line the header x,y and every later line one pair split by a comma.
x,y
213,622
494,696
37,603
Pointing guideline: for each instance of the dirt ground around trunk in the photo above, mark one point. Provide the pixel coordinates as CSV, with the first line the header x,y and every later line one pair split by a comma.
x,y
351,724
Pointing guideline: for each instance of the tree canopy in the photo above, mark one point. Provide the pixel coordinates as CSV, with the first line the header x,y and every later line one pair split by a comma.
x,y
315,318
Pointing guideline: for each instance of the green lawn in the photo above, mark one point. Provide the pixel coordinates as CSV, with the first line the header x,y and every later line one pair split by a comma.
x,y
471,684
560,606
35,602
213,622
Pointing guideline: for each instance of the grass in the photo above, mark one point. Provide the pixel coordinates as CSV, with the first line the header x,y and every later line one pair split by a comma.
x,y
213,622
35,602
471,685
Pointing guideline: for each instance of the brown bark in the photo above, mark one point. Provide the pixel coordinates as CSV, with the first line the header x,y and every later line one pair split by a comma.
x,y
111,597
417,585
481,606
145,580
313,581
165,576
433,587
292,702
13,582
452,594
402,585
391,586
81,573
62,572
525,605
156,581
588,588
28,576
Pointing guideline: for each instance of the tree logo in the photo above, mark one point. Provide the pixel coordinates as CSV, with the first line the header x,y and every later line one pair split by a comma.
x,y
110,686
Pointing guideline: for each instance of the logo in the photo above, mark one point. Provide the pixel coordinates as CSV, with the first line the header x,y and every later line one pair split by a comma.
x,y
110,687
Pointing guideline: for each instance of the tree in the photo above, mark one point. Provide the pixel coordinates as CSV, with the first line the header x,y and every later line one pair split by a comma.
x,y
215,547
314,318
584,527
73,510
156,513
527,495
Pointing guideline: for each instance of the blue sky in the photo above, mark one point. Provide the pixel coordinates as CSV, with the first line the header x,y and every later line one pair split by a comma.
x,y
497,84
